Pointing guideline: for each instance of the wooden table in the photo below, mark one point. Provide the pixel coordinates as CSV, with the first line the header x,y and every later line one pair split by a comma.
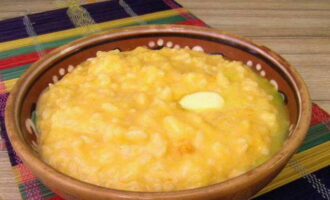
x,y
298,30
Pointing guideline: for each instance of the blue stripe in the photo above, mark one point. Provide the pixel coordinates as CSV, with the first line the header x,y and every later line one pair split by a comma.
x,y
57,20
301,189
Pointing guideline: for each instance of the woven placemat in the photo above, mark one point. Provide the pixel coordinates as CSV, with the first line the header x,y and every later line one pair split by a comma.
x,y
23,40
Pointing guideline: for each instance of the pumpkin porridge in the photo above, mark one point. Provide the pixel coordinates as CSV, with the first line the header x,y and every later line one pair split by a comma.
x,y
159,120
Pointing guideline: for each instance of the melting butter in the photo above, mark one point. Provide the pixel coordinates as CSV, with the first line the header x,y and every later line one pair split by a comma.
x,y
202,101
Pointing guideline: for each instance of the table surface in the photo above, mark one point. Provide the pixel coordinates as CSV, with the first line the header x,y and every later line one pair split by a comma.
x,y
298,30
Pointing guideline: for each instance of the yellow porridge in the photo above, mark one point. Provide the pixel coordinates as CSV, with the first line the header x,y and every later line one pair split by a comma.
x,y
159,120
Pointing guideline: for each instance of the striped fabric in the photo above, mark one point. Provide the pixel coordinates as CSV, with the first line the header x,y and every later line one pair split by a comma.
x,y
24,39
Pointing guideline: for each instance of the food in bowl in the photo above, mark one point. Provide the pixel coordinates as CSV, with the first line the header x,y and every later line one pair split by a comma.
x,y
159,120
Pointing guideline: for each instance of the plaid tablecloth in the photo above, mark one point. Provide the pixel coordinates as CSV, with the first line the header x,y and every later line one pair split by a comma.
x,y
23,40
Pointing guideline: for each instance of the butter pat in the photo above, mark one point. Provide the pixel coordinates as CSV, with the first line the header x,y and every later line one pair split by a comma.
x,y
202,101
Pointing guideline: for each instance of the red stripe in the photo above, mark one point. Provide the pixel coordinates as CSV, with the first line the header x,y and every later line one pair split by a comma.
x,y
318,115
54,198
25,173
195,22
20,60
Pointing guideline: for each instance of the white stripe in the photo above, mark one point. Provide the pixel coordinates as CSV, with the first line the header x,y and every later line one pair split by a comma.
x,y
311,178
130,11
31,32
80,17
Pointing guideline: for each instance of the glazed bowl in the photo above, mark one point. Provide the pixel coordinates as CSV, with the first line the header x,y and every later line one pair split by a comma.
x,y
52,67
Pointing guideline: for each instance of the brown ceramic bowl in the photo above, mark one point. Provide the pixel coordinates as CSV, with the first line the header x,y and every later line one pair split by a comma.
x,y
53,66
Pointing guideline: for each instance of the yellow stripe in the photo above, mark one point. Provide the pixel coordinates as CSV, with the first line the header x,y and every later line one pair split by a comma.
x,y
17,176
310,160
9,84
77,31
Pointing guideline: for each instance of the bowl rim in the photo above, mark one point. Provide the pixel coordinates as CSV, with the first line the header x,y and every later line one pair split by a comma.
x,y
37,166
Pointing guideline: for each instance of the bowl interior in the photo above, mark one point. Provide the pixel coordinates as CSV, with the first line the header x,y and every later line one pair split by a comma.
x,y
63,60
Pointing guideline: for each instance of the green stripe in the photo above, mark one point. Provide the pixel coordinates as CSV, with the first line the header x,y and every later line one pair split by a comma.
x,y
22,190
30,49
316,135
57,43
45,192
12,73
168,20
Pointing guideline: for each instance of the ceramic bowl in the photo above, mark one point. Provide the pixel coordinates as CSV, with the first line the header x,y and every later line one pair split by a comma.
x,y
53,66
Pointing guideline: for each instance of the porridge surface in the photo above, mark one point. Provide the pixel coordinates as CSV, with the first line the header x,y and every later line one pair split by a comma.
x,y
159,120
